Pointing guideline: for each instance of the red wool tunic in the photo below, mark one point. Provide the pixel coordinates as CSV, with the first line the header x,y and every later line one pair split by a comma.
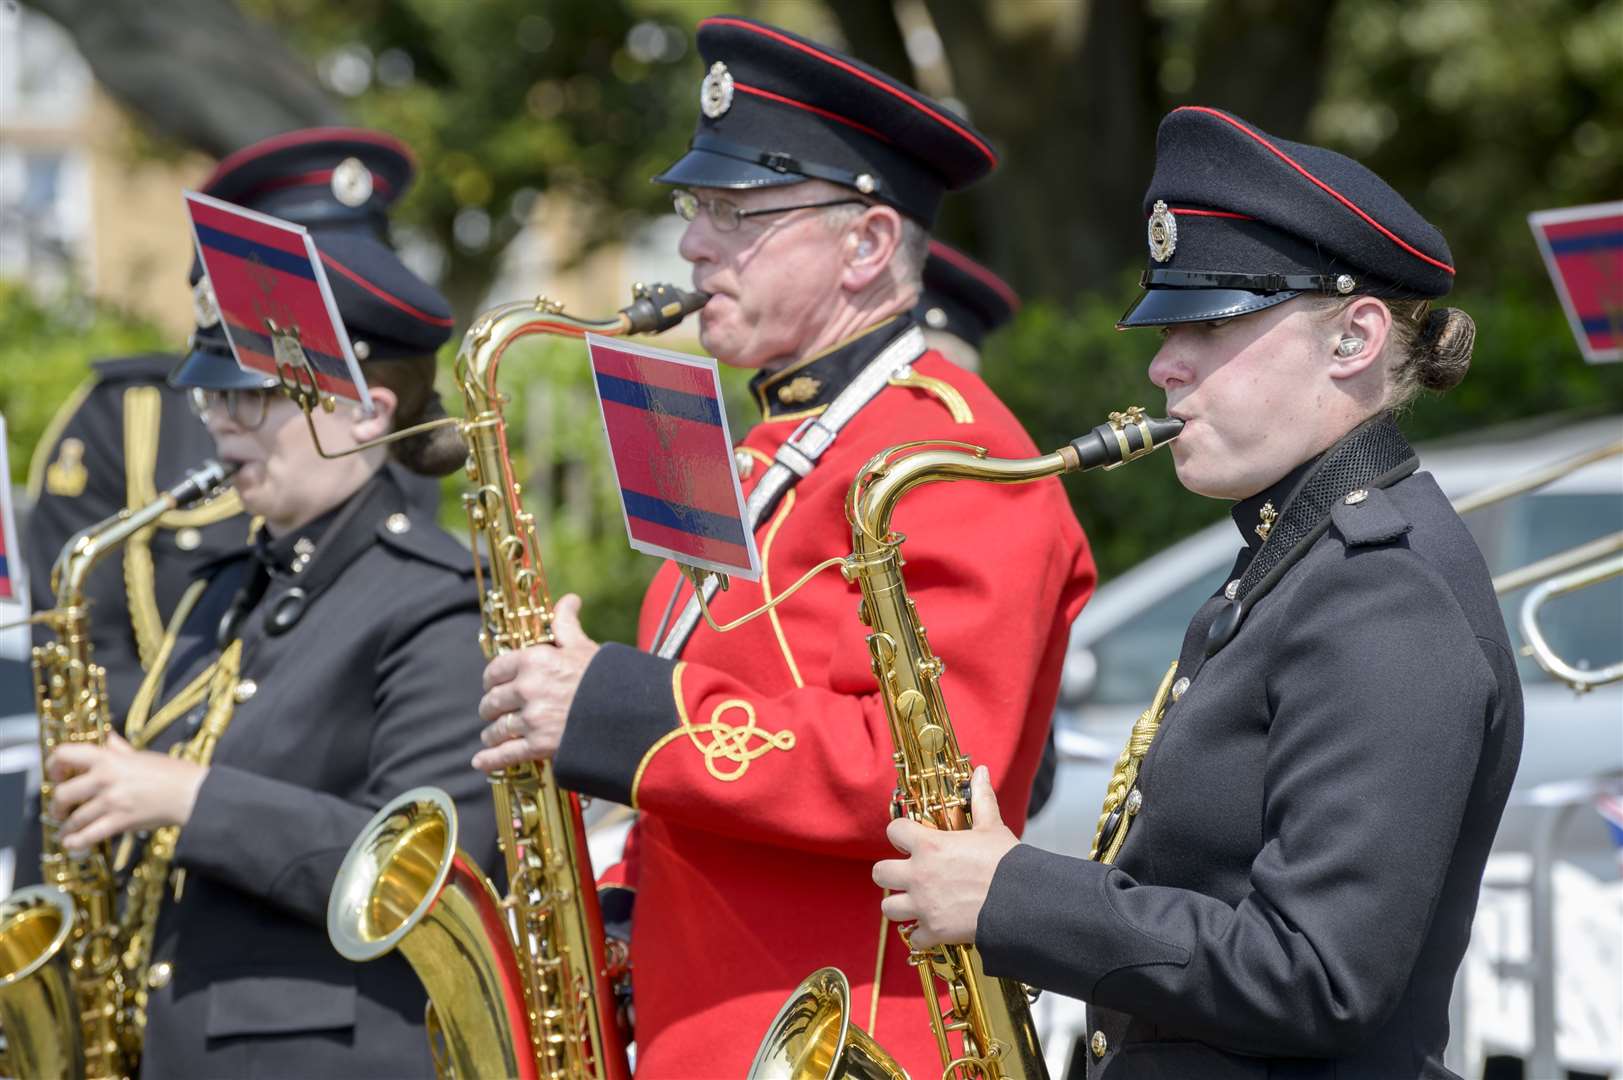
x,y
761,761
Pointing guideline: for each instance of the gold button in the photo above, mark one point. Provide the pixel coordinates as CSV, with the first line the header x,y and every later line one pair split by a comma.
x,y
1355,497
398,523
1098,1044
159,974
188,538
246,689
1180,688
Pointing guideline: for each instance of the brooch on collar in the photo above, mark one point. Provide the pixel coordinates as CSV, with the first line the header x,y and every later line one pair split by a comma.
x,y
799,390
1268,515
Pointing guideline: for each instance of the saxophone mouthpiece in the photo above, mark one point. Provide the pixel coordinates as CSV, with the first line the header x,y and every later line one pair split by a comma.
x,y
657,308
203,482
1126,435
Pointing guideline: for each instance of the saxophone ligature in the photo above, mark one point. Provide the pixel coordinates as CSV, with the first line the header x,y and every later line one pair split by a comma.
x,y
985,1030
521,985
68,1000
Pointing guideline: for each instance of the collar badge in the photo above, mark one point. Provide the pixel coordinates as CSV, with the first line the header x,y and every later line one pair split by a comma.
x,y
352,182
1268,515
716,92
799,390
1163,232
205,308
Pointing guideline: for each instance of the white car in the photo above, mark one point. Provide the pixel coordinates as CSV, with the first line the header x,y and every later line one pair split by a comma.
x,y
1132,628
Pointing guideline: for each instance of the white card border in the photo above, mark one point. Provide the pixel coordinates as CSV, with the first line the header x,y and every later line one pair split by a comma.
x,y
1536,221
314,255
706,363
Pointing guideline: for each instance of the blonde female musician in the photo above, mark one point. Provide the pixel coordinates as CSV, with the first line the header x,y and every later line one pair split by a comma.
x,y
1308,830
352,623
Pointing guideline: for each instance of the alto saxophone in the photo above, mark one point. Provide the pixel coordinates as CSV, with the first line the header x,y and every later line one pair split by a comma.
x,y
66,997
812,1036
518,986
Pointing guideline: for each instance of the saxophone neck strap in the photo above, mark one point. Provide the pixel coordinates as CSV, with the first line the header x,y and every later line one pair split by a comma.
x,y
796,459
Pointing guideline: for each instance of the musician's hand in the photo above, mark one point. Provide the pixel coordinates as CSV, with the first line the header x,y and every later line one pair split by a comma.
x,y
528,693
944,881
102,791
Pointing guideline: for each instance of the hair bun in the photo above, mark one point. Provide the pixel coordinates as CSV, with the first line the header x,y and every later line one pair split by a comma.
x,y
1444,349
432,453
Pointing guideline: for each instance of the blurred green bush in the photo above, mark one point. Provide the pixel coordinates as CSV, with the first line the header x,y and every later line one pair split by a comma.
x,y
46,350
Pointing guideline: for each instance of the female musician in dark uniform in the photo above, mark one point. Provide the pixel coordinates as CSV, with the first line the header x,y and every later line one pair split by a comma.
x,y
352,624
1308,829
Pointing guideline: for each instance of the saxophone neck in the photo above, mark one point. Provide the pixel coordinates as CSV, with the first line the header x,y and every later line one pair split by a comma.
x,y
893,473
90,545
653,309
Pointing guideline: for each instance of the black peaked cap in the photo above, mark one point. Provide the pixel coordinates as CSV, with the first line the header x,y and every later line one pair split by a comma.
x,y
962,297
339,183
1239,220
778,109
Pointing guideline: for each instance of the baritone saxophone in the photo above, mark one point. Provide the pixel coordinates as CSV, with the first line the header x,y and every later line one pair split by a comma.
x,y
985,1030
519,986
68,1000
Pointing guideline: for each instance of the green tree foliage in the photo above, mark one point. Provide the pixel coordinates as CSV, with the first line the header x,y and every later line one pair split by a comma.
x,y
505,102
46,350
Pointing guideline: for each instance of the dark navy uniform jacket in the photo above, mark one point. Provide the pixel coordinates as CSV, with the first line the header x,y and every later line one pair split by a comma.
x,y
371,690
1296,890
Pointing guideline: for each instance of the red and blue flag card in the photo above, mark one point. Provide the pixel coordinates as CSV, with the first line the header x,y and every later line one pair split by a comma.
x,y
13,588
1583,251
274,298
672,456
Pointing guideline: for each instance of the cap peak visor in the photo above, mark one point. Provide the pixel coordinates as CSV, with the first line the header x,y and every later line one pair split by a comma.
x,y
708,169
1164,307
206,369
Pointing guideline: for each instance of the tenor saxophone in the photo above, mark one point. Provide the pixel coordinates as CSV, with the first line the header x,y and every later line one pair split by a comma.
x,y
985,1031
66,997
519,986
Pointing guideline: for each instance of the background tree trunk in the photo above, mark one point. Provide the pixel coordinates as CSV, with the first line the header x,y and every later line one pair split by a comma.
x,y
195,71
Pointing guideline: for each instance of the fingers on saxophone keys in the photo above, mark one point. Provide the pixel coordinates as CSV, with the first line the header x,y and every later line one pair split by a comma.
x,y
891,874
899,908
507,726
501,757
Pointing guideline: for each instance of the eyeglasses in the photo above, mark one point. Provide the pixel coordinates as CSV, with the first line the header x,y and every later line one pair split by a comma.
x,y
246,408
726,215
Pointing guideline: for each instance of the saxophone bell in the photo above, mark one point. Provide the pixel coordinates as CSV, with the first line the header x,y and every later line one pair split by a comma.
x,y
39,1011
812,1037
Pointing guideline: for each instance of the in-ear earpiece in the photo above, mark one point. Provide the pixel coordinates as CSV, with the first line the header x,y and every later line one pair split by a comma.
x,y
864,248
1349,346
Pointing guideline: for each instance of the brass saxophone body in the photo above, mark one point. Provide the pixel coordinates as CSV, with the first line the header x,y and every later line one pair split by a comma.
x,y
985,1031
519,986
66,996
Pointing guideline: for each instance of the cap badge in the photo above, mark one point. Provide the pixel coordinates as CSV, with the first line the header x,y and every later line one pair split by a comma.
x,y
1163,232
352,182
716,92
205,309
799,390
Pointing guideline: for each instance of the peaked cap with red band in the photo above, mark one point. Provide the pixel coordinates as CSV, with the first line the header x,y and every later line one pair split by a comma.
x,y
1239,220
339,183
962,297
778,109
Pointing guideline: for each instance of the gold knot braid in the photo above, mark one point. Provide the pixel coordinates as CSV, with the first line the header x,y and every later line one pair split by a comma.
x,y
1125,774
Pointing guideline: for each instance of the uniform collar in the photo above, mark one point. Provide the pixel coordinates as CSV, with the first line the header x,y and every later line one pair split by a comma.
x,y
293,550
1255,516
809,385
